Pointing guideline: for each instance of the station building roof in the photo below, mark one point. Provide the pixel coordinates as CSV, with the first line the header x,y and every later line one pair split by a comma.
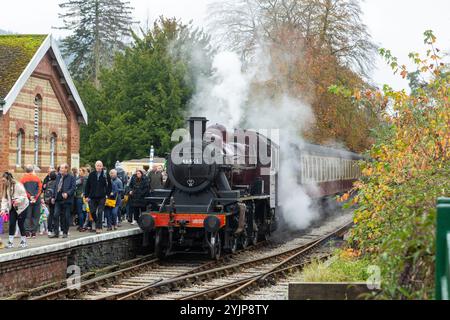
x,y
19,57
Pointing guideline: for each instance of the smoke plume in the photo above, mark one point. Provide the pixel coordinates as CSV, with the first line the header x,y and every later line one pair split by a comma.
x,y
229,98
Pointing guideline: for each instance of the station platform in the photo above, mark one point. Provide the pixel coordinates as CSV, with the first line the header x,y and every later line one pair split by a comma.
x,y
42,244
48,260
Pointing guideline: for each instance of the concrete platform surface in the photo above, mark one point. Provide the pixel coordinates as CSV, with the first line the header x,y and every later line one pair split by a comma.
x,y
42,244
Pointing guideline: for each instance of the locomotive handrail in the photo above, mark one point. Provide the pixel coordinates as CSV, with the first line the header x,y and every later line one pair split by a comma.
x,y
155,198
442,280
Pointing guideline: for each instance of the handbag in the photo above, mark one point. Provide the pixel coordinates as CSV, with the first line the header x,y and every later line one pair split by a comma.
x,y
110,203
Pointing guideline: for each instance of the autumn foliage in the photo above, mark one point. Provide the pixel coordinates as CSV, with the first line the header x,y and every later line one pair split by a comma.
x,y
408,169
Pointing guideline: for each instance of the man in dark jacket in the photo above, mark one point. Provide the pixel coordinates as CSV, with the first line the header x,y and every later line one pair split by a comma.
x,y
98,188
156,179
64,191
49,190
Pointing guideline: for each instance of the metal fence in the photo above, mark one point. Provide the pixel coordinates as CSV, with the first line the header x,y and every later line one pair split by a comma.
x,y
443,249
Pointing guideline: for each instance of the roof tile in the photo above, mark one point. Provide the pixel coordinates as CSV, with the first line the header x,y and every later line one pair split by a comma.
x,y
16,51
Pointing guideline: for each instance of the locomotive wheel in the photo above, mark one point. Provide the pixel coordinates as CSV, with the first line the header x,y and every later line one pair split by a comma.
x,y
265,236
160,248
254,237
216,249
265,226
244,240
234,245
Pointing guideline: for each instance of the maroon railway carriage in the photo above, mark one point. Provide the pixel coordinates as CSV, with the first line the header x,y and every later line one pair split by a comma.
x,y
222,190
326,171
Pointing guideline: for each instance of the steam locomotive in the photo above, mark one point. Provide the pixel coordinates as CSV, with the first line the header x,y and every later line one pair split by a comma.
x,y
222,189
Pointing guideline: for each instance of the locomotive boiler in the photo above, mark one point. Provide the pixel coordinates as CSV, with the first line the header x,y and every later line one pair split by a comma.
x,y
221,192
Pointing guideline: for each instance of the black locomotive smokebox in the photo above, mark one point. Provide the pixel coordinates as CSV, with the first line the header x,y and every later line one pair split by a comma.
x,y
146,222
188,171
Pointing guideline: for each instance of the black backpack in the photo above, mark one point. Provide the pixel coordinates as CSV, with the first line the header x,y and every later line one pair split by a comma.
x,y
48,193
122,175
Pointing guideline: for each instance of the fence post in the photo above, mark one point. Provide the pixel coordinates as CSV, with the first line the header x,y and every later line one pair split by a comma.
x,y
442,249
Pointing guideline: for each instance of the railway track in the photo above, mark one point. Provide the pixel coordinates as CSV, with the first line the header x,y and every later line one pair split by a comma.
x,y
258,273
132,274
228,278
110,272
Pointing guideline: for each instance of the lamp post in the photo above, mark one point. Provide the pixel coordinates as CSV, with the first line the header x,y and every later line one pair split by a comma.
x,y
152,157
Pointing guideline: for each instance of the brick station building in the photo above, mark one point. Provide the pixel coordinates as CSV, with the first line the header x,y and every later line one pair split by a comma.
x,y
41,111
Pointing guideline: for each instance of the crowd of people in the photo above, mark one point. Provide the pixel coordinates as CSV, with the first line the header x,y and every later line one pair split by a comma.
x,y
90,199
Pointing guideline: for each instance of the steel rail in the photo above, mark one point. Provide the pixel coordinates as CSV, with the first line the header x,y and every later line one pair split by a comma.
x,y
208,274
195,271
236,287
68,292
38,291
287,261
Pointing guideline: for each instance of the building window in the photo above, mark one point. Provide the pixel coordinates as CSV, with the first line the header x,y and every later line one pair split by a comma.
x,y
37,110
52,150
19,149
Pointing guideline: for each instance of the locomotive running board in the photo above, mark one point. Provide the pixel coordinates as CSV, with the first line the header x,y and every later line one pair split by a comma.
x,y
249,198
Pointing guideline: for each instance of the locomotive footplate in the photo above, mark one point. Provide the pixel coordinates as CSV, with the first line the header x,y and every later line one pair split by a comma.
x,y
186,220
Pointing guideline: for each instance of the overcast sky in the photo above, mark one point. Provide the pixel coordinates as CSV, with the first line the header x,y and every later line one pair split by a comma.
x,y
394,24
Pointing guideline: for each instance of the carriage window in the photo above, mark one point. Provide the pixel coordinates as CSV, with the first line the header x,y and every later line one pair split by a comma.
x,y
344,163
347,170
305,170
336,169
322,169
353,170
314,171
317,167
302,171
328,170
310,169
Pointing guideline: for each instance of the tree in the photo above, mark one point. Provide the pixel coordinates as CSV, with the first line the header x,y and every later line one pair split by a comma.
x,y
99,29
409,169
144,96
331,26
312,45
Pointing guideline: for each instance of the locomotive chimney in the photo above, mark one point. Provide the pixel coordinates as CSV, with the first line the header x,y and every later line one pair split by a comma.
x,y
197,127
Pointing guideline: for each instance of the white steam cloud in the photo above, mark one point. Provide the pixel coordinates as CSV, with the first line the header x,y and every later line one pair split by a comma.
x,y
222,98
227,98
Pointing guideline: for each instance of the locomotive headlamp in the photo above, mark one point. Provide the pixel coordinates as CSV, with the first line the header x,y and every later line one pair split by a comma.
x,y
147,222
212,224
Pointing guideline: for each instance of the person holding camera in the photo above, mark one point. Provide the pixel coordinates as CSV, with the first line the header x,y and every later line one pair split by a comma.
x,y
15,203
